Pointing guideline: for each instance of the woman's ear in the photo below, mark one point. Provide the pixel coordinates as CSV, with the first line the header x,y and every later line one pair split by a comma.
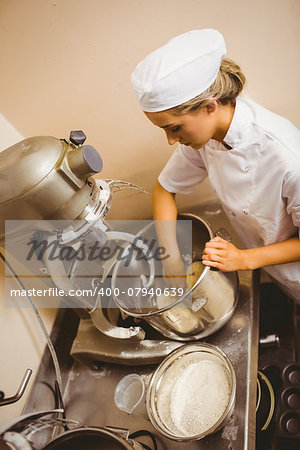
x,y
212,106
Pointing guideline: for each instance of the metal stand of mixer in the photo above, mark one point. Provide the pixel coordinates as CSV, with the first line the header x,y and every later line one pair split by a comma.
x,y
52,187
52,180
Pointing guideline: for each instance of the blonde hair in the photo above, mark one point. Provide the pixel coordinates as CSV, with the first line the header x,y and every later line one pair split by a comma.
x,y
225,89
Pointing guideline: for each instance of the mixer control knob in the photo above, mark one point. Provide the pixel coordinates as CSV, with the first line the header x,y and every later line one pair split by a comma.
x,y
77,137
84,161
92,159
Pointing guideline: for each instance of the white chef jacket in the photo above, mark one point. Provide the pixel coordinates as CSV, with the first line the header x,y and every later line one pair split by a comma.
x,y
257,181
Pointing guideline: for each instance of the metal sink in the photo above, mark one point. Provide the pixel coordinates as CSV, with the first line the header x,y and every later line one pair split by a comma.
x,y
89,382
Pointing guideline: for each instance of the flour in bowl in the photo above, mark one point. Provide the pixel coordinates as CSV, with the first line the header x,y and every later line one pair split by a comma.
x,y
198,397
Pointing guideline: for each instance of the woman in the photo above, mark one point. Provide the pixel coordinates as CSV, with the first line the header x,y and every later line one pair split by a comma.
x,y
251,155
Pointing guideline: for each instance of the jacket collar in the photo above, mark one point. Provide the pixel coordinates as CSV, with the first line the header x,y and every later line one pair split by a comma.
x,y
242,118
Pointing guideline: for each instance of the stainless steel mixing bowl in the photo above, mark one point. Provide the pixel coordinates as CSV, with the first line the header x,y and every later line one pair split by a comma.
x,y
202,309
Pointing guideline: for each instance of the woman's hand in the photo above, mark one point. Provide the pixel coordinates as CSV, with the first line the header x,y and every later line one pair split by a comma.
x,y
224,256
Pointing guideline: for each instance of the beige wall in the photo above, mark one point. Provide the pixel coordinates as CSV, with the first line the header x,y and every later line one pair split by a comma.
x,y
9,135
66,64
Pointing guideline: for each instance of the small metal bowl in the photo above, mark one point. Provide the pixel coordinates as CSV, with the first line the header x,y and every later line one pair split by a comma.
x,y
163,379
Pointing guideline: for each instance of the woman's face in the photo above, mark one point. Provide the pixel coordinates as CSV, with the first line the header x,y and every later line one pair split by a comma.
x,y
192,129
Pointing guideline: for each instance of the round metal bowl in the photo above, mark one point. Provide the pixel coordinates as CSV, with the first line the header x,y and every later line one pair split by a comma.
x,y
201,310
160,390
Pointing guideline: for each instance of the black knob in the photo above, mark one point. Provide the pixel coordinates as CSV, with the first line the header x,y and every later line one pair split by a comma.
x,y
84,161
92,158
77,137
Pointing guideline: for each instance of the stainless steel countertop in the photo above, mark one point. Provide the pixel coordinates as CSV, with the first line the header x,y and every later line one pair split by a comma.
x,y
88,394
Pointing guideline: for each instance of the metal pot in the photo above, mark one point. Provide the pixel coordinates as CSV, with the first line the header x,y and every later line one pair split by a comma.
x,y
18,434
93,438
203,308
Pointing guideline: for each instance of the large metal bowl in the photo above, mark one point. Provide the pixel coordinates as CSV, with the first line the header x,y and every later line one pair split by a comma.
x,y
202,309
160,388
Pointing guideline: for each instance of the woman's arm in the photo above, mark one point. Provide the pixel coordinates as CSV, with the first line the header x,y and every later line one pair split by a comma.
x,y
225,256
163,203
165,216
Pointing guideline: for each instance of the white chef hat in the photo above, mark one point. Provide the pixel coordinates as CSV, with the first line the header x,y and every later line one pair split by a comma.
x,y
179,70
